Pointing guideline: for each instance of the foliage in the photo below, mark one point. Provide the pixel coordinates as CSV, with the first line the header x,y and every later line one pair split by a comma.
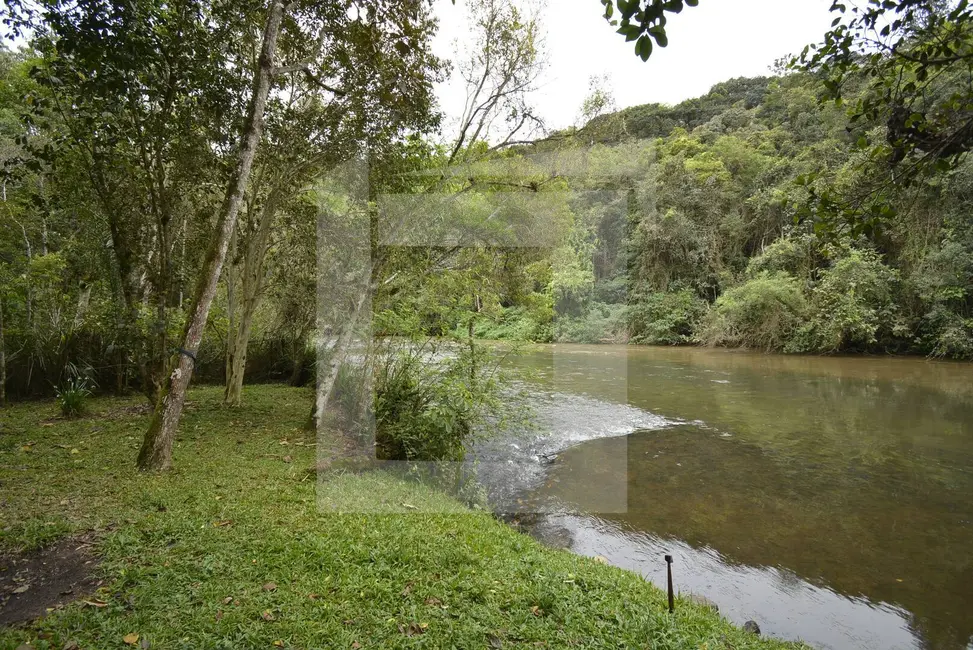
x,y
432,402
644,23
904,66
852,307
72,397
761,313
518,323
667,318
600,323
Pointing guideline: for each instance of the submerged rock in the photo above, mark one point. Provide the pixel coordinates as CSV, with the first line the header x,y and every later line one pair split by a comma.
x,y
752,627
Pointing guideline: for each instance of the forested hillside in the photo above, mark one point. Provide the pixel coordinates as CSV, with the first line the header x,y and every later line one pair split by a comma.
x,y
723,240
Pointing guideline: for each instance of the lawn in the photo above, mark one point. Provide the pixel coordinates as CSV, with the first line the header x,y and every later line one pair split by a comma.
x,y
230,549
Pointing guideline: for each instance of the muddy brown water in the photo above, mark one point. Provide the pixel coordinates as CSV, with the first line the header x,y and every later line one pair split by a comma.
x,y
830,499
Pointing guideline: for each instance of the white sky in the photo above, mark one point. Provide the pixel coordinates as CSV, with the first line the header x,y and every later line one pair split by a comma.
x,y
716,41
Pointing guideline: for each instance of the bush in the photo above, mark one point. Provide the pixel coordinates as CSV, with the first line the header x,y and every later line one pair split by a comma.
x,y
430,404
667,318
72,397
515,324
944,286
599,324
762,313
793,255
852,307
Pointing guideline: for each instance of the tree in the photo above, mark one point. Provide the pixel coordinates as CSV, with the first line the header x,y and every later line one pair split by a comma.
x,y
908,68
500,69
156,453
355,102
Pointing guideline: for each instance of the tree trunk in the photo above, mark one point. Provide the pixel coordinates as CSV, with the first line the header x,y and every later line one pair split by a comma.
x,y
255,254
232,276
297,369
339,351
156,453
3,361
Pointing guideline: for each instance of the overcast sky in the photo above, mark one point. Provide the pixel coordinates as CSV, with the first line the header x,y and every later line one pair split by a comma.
x,y
718,40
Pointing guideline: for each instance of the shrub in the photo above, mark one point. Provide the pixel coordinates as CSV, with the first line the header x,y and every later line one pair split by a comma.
x,y
430,404
72,397
762,313
599,324
794,255
667,318
944,286
516,324
852,306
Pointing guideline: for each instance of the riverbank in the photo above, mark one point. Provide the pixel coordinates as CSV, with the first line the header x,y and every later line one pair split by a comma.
x,y
230,550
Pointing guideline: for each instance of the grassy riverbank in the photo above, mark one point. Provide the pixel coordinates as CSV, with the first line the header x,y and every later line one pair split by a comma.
x,y
230,550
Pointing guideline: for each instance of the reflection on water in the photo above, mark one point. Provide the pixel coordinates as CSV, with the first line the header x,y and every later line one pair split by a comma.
x,y
831,499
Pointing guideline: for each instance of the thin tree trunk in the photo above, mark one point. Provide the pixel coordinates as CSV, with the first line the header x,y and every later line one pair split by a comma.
x,y
252,290
156,453
231,275
3,361
339,352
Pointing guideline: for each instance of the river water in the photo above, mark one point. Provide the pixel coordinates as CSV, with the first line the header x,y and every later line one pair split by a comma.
x,y
829,499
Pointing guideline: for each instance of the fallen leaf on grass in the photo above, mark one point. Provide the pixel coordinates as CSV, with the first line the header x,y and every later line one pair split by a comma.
x,y
270,586
278,643
221,524
228,600
288,459
21,589
131,639
536,611
95,603
409,506
313,596
355,645
268,616
433,602
407,590
413,629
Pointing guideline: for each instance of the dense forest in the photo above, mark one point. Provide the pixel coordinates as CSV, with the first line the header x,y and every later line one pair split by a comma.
x,y
717,241
186,193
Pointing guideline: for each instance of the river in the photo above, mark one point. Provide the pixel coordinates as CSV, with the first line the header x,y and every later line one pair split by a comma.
x,y
829,499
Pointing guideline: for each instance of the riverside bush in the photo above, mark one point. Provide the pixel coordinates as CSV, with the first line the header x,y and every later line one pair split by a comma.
x,y
667,318
761,314
852,306
432,401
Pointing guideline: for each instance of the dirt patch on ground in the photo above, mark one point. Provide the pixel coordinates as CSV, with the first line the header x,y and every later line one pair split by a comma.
x,y
31,583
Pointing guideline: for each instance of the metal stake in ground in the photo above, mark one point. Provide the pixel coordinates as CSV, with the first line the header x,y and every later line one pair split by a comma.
x,y
672,605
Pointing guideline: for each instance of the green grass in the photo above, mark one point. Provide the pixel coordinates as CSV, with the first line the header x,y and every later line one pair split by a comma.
x,y
186,555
